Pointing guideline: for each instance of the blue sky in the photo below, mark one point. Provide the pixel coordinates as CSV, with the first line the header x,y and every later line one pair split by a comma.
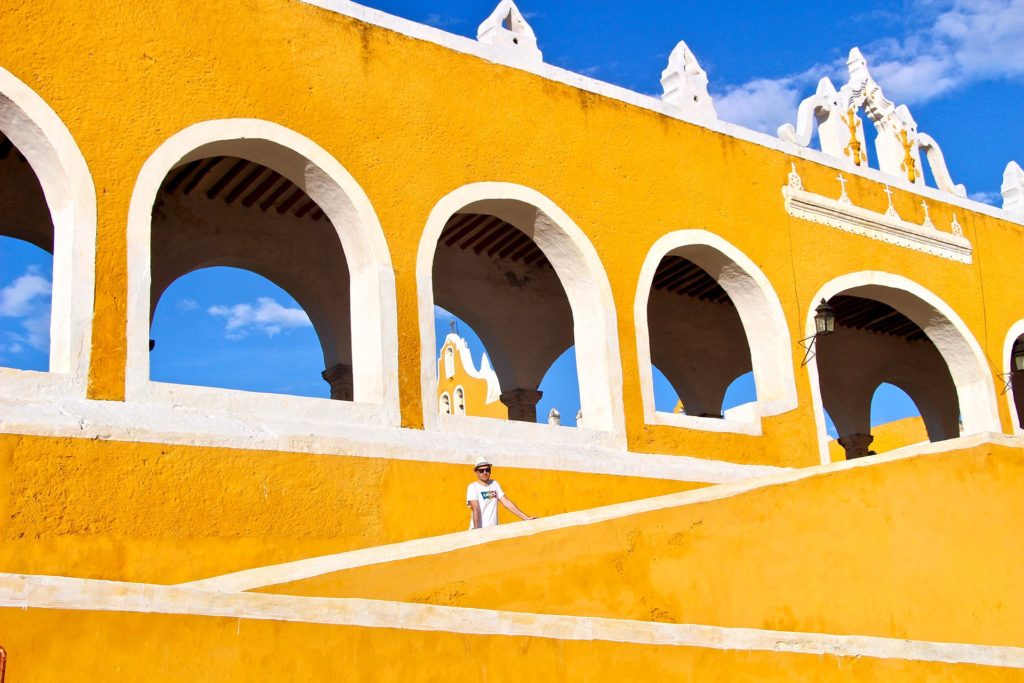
x,y
959,66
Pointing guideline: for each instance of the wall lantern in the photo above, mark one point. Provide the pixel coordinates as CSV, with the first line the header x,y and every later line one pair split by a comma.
x,y
824,319
824,325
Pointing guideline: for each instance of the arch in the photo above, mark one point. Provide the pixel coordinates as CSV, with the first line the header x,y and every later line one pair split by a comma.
x,y
1016,331
952,339
300,160
52,153
201,317
460,400
760,313
445,405
582,276
449,362
563,395
897,432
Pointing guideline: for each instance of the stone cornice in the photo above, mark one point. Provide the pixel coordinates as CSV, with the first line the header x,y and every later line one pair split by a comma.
x,y
886,227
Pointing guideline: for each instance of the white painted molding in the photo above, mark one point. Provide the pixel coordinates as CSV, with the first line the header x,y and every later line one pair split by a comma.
x,y
552,73
372,283
300,570
60,593
686,85
290,430
52,153
748,423
1013,188
964,357
508,31
589,293
760,312
1006,362
841,213
841,133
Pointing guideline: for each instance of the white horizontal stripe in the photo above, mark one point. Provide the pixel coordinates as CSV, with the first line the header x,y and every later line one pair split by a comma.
x,y
45,592
552,73
273,575
224,428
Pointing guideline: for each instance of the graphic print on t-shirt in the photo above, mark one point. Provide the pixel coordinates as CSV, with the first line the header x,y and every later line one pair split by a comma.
x,y
487,498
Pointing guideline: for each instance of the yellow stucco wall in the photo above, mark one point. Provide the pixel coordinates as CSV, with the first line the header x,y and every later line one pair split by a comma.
x,y
57,645
168,514
350,87
923,548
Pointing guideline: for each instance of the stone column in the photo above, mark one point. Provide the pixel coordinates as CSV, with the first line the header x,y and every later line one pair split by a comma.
x,y
340,378
856,445
521,404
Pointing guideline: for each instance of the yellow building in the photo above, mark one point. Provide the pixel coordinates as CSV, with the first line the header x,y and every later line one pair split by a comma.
x,y
376,168
462,389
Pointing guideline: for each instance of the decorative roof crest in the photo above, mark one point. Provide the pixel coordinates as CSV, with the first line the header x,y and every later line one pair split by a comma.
x,y
509,31
1013,188
898,144
686,85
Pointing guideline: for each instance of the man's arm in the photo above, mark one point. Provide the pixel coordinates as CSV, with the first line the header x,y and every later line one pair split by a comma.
x,y
475,506
514,509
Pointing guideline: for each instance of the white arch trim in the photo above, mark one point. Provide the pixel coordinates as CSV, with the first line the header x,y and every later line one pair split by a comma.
x,y
965,358
760,312
1016,331
46,143
586,285
373,304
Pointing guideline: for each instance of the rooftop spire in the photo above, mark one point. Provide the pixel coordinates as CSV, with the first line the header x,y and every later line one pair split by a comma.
x,y
509,31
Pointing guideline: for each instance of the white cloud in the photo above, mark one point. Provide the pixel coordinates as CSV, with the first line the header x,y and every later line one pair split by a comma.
x,y
186,305
25,294
992,198
266,317
762,104
952,45
38,329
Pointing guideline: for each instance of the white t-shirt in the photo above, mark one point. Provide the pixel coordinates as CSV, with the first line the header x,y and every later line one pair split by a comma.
x,y
488,497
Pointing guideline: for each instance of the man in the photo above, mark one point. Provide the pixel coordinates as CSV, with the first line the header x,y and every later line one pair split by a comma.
x,y
482,497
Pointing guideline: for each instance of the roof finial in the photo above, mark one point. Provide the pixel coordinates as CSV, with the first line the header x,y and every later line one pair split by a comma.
x,y
507,30
686,85
1013,188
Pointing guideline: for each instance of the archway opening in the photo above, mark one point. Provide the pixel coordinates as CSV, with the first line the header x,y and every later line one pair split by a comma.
x,y
230,211
666,400
560,404
697,338
26,285
896,420
1016,378
489,272
233,329
874,345
26,264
